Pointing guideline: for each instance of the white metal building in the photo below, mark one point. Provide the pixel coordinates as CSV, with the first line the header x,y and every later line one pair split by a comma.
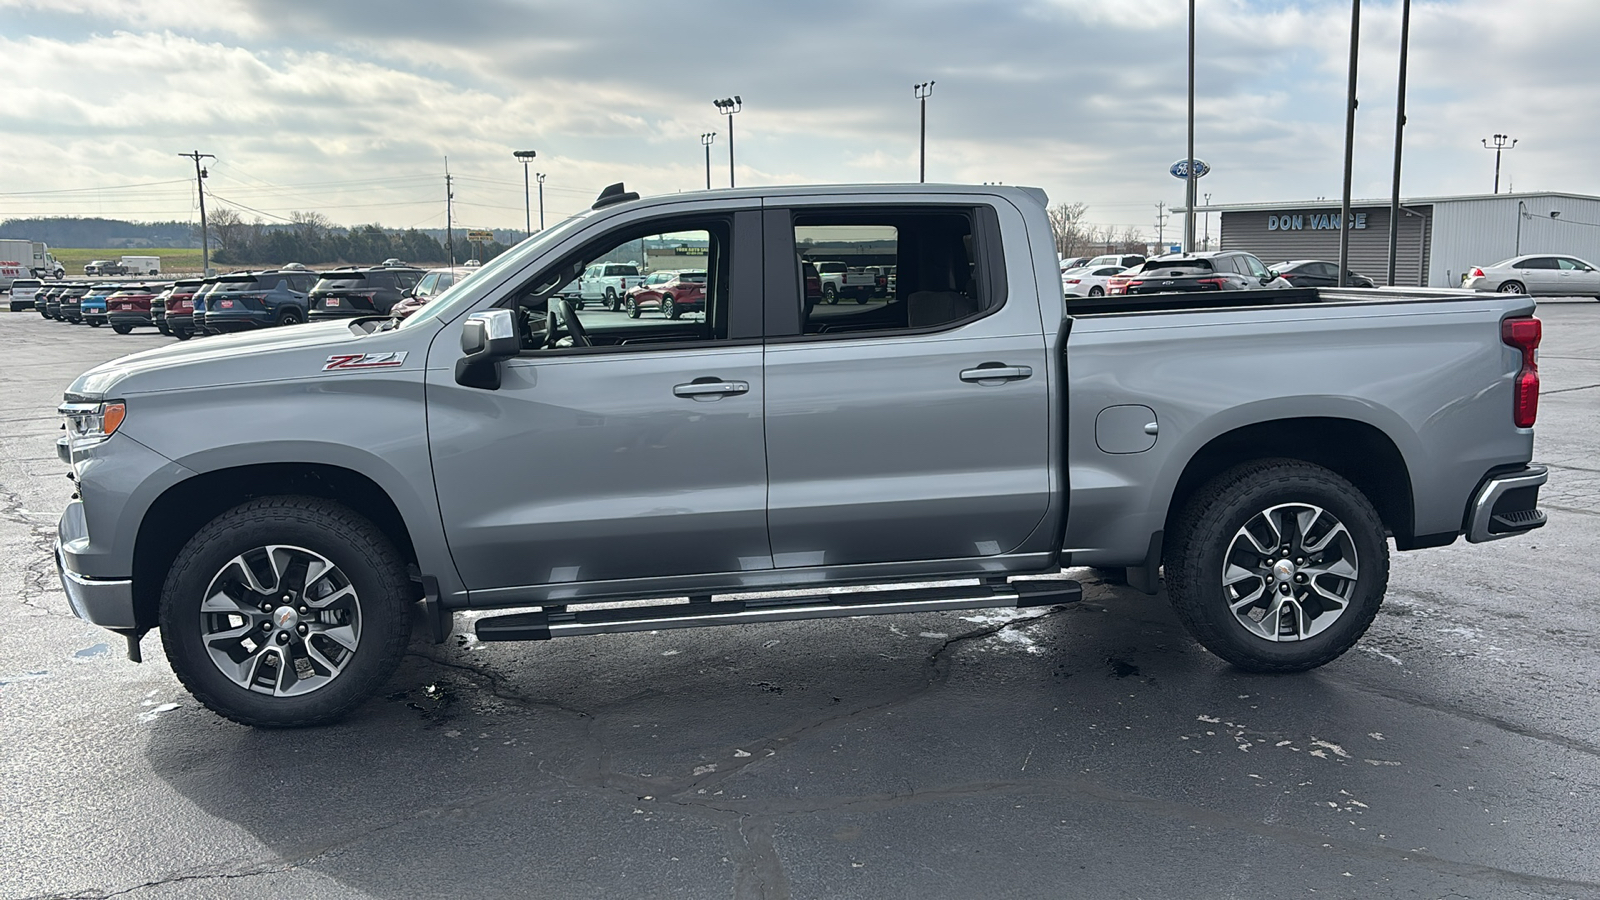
x,y
1440,237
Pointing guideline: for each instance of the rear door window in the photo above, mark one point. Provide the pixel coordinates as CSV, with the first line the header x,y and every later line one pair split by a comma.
x,y
1538,262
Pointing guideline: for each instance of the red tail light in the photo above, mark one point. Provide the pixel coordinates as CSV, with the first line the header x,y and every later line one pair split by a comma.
x,y
1072,281
1524,333
1477,273
1214,282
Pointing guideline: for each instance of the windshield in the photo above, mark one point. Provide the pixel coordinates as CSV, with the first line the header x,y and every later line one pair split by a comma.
x,y
234,286
1177,267
509,260
344,281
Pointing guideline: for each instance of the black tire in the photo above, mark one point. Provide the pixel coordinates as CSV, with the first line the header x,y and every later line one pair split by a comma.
x,y
613,302
291,316
122,329
830,294
43,314
861,298
1209,528
162,327
363,556
1512,287
632,306
1097,291
182,334
669,308
95,323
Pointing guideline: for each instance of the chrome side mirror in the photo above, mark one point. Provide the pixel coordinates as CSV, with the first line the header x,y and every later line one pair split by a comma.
x,y
486,339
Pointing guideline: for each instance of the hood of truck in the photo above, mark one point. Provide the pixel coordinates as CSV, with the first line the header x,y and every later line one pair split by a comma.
x,y
331,349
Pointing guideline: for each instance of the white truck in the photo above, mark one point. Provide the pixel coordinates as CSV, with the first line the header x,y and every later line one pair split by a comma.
x,y
141,265
26,259
606,283
840,280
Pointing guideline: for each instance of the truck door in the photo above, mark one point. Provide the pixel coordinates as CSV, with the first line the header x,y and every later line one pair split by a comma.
x,y
613,448
913,427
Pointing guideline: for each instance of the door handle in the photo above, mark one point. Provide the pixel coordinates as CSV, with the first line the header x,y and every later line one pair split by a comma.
x,y
996,372
710,388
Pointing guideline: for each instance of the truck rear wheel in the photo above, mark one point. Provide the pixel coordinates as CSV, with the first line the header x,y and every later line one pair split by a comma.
x,y
122,329
285,612
1277,565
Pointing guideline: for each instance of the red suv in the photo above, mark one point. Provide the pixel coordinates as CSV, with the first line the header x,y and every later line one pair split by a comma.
x,y
130,308
674,293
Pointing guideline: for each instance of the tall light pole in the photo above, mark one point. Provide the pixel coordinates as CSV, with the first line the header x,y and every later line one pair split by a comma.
x,y
1522,213
527,204
540,176
1189,180
921,92
1399,135
200,184
1500,144
1349,141
1208,220
705,141
728,106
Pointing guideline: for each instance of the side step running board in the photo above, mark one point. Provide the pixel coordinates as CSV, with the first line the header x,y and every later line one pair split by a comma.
x,y
556,621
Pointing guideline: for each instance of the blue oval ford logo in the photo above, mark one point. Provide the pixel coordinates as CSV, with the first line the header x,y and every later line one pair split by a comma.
x,y
1180,169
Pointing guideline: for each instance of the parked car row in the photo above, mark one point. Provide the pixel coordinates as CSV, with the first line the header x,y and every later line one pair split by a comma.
x,y
244,301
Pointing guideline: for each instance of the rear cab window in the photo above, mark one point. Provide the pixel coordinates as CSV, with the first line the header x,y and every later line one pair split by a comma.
x,y
948,263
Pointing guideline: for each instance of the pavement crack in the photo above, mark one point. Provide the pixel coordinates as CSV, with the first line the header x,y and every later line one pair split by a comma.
x,y
96,894
761,875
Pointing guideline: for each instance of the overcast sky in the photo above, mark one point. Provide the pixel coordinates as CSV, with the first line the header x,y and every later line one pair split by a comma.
x,y
350,108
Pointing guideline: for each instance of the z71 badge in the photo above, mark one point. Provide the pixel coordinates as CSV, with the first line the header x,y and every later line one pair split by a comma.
x,y
342,361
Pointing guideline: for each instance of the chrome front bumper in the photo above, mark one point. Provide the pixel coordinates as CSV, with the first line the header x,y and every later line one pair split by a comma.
x,y
1507,505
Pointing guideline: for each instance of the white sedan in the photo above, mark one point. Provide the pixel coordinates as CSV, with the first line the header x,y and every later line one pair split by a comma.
x,y
1088,281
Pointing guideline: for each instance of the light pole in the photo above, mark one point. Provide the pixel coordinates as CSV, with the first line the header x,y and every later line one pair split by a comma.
x,y
705,141
1349,142
921,92
1189,192
1208,220
540,177
1500,144
1399,132
728,107
1522,213
527,205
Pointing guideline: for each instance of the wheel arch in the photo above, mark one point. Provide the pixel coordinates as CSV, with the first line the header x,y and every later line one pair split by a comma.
x,y
1357,451
182,509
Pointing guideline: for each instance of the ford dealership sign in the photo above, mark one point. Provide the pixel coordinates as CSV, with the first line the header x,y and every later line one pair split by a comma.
x,y
1180,169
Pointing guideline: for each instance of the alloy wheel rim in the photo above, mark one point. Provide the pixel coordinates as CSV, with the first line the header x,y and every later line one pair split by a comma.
x,y
281,620
1290,572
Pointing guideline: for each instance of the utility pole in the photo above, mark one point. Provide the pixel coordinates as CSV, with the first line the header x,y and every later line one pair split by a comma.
x,y
705,141
1161,224
200,185
449,217
540,176
921,92
1498,145
526,156
728,107
1349,142
1208,220
1189,177
1399,135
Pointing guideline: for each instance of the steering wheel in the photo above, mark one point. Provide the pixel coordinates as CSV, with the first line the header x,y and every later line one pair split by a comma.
x,y
558,315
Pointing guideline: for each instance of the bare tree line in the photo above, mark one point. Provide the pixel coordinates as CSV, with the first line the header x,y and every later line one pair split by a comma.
x,y
1075,237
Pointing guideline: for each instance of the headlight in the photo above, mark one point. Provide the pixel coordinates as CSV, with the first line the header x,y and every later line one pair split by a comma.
x,y
93,421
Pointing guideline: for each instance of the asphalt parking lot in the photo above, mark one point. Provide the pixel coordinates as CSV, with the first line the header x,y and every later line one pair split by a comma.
x,y
1092,750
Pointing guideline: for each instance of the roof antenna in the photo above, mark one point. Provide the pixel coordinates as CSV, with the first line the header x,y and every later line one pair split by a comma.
x,y
614,194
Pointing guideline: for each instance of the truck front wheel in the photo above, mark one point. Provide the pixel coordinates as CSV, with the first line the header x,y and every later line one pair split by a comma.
x,y
285,612
1277,565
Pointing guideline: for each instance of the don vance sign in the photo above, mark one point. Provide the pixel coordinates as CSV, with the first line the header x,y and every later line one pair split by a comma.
x,y
1314,222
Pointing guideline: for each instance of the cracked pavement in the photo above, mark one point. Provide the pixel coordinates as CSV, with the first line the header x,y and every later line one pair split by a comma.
x,y
1087,750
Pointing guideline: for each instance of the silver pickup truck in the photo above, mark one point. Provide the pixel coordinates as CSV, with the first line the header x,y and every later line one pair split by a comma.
x,y
278,503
